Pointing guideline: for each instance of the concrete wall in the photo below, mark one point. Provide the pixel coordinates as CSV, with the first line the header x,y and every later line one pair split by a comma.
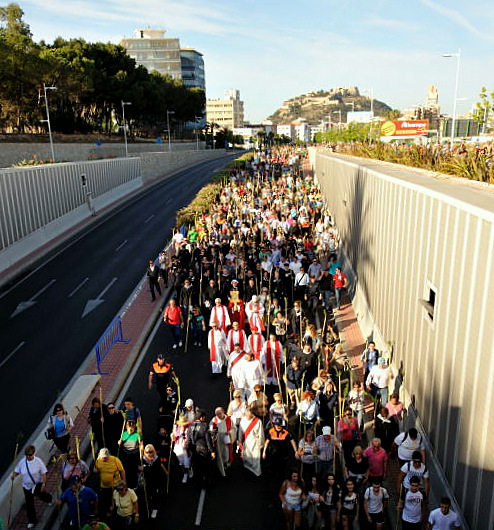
x,y
11,153
406,233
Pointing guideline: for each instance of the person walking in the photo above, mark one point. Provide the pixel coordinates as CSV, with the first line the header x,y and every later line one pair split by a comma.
x,y
33,472
173,317
153,274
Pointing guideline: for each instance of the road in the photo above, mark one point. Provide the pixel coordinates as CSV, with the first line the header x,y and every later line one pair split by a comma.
x,y
51,318
240,501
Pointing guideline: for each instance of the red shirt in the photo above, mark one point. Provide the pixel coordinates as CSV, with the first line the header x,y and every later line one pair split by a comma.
x,y
173,315
339,280
376,460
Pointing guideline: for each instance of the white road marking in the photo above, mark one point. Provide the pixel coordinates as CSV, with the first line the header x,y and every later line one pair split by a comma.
x,y
29,303
200,507
148,219
123,243
78,287
95,302
15,350
168,201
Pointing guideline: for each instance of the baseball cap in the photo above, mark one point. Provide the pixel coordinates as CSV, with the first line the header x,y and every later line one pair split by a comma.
x,y
326,430
189,403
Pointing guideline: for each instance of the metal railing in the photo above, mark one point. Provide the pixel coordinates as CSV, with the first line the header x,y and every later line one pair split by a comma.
x,y
112,335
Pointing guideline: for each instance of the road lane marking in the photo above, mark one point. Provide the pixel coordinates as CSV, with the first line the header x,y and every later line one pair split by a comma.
x,y
148,219
14,351
78,287
29,303
121,245
200,507
168,201
95,302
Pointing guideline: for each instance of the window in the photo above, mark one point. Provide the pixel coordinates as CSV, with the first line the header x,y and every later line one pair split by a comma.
x,y
429,303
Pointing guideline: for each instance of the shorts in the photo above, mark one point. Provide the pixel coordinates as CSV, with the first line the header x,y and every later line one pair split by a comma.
x,y
377,518
349,513
295,507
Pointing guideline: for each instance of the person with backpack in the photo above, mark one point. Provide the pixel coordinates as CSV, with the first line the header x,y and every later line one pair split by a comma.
x,y
375,504
407,443
200,445
414,468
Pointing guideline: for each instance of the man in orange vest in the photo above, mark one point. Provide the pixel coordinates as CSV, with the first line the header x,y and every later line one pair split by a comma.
x,y
161,375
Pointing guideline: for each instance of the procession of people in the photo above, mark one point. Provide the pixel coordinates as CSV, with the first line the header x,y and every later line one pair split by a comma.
x,y
257,280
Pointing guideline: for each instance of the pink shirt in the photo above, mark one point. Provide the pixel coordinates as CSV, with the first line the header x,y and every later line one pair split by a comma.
x,y
377,460
395,410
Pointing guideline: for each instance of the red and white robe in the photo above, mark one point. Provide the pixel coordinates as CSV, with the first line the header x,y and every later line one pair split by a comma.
x,y
256,342
236,310
271,359
218,349
255,312
224,434
251,437
239,337
220,316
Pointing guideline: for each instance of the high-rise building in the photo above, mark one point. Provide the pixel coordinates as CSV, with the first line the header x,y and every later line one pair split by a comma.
x,y
227,113
151,49
193,75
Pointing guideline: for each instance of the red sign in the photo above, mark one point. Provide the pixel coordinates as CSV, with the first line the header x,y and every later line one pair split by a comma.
x,y
404,128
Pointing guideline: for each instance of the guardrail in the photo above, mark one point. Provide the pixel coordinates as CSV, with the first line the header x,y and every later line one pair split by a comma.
x,y
112,335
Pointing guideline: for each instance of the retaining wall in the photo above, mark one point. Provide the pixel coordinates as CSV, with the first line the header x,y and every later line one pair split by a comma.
x,y
420,250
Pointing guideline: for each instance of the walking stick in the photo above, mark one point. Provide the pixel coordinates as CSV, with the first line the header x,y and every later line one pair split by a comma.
x,y
188,323
91,439
11,494
301,338
139,433
172,443
77,500
124,414
102,418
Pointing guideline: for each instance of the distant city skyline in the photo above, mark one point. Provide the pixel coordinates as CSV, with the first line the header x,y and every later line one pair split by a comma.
x,y
273,51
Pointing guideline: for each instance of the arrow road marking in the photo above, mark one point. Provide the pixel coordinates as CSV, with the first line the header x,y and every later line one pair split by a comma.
x,y
78,287
15,350
121,245
29,303
94,303
148,219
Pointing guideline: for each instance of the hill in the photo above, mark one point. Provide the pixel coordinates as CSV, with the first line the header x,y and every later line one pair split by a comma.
x,y
317,106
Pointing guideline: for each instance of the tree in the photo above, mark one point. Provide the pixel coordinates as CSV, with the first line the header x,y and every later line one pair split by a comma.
x,y
393,114
483,108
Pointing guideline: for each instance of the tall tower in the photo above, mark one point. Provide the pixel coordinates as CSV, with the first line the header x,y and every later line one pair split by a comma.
x,y
432,96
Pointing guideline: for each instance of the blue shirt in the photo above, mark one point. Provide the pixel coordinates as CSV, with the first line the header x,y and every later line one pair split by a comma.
x,y
87,498
59,426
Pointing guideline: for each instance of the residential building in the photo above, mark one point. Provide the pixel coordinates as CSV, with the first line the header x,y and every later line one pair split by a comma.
x,y
192,62
286,130
151,49
227,113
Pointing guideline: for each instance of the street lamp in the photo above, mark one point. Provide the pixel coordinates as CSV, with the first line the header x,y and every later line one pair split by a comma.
x,y
370,91
457,81
197,119
168,112
124,126
45,88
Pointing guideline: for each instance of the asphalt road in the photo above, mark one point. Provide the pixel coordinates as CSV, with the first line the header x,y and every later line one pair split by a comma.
x,y
44,335
239,501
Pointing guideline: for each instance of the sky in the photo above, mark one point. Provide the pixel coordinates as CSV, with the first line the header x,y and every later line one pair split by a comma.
x,y
274,50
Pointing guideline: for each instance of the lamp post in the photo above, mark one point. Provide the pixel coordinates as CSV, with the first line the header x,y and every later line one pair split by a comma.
x,y
124,125
197,118
168,112
45,88
370,91
457,81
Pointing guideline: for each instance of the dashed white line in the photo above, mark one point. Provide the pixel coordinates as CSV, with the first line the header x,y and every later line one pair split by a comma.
x,y
168,201
14,351
200,507
78,287
123,243
148,219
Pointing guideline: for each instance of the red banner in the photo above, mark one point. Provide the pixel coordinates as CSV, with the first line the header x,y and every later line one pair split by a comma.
x,y
404,128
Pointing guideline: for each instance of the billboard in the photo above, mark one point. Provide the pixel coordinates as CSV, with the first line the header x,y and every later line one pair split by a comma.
x,y
404,128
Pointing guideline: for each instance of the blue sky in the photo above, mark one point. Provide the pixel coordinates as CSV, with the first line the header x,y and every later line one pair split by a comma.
x,y
273,50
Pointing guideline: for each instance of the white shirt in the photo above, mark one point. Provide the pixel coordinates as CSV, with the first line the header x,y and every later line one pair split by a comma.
x,y
411,471
406,446
301,279
295,266
412,507
439,521
36,468
378,376
375,502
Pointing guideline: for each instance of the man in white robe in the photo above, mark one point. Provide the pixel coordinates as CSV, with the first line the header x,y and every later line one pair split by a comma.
x,y
271,359
251,441
237,335
253,374
255,311
218,349
223,433
219,316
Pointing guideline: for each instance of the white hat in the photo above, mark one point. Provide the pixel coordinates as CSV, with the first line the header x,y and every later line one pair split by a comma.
x,y
326,430
189,403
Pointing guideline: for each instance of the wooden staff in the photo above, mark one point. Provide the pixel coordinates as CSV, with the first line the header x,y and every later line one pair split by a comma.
x,y
139,434
301,338
187,323
172,443
11,494
101,411
124,414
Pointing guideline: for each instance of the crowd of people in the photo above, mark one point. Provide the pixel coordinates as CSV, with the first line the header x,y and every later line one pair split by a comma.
x,y
257,280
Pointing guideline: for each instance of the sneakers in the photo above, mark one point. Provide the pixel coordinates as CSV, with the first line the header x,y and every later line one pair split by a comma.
x,y
180,344
50,503
191,473
184,480
154,513
174,346
199,344
195,343
30,525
